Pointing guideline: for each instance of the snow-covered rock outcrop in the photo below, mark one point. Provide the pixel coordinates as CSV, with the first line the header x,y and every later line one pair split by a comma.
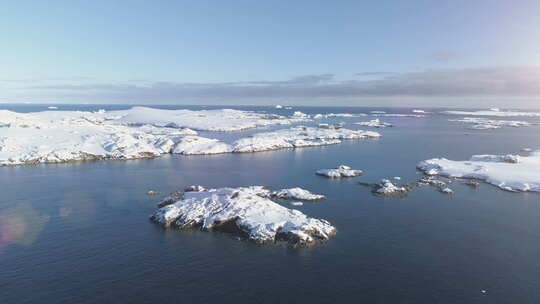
x,y
346,115
340,171
386,188
494,112
376,123
508,172
298,137
477,123
295,193
245,211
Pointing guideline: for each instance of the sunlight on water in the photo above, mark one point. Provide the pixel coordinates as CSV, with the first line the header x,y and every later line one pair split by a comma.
x,y
21,225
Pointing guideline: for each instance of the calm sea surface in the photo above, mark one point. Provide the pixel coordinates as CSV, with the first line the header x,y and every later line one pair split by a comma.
x,y
79,232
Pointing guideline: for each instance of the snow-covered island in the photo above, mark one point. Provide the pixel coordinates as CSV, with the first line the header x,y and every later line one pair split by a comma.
x,y
479,123
376,123
386,188
508,172
61,136
340,171
493,112
245,211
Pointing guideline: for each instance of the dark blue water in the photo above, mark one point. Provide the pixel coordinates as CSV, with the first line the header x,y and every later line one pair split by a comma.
x,y
79,232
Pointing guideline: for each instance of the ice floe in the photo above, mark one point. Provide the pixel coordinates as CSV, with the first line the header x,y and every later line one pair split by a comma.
x,y
243,211
340,171
376,123
508,172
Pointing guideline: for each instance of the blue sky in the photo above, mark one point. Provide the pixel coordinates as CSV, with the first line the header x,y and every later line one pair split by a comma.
x,y
253,52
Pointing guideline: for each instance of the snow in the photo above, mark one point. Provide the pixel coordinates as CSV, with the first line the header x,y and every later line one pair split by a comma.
x,y
244,211
398,115
297,137
508,172
300,115
328,126
197,145
340,171
374,123
52,107
297,203
478,123
386,187
296,193
279,106
203,120
377,112
61,136
330,115
26,139
419,111
447,190
494,112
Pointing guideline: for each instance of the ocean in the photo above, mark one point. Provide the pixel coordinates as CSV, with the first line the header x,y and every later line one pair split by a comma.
x,y
83,234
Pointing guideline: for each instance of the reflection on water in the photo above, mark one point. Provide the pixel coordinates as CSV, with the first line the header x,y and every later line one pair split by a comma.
x,y
21,225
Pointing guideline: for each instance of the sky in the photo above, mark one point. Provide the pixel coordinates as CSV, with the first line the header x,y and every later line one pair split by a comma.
x,y
356,53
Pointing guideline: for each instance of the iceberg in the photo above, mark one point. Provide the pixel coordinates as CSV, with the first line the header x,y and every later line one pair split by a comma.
x,y
245,211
